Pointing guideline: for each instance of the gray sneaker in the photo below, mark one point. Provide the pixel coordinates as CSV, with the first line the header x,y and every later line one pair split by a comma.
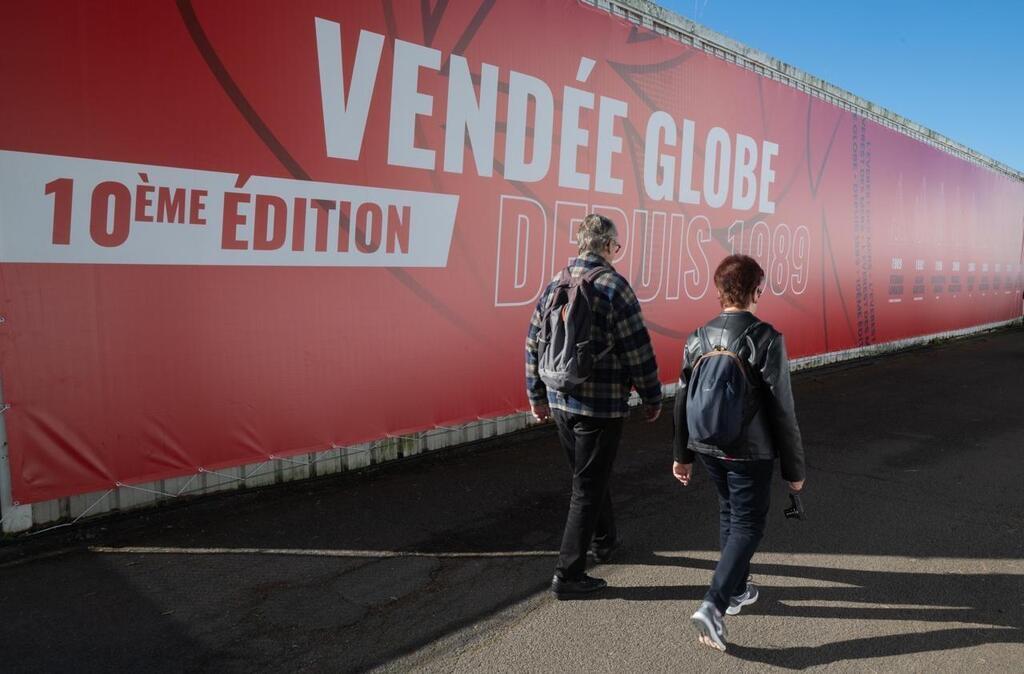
x,y
710,626
737,603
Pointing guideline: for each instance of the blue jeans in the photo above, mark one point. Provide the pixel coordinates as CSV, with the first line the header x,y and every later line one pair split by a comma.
x,y
744,493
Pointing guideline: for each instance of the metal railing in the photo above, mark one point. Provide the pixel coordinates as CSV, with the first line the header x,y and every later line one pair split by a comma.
x,y
665,22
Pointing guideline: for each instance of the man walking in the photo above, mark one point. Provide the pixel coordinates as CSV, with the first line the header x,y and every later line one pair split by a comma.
x,y
742,469
590,415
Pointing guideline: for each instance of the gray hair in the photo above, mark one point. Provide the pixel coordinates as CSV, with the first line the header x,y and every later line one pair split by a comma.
x,y
595,234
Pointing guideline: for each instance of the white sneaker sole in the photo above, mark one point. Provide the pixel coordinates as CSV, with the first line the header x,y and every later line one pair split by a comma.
x,y
707,631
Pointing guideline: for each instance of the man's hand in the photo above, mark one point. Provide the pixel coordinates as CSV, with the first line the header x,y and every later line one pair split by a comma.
x,y
682,472
652,412
540,411
795,487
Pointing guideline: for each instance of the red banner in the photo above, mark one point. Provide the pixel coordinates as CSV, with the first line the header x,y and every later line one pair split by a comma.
x,y
231,231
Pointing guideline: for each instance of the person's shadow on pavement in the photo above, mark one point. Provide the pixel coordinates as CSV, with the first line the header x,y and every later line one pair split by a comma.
x,y
802,657
989,601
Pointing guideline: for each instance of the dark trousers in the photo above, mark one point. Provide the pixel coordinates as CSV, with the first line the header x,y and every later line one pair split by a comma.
x,y
744,492
591,444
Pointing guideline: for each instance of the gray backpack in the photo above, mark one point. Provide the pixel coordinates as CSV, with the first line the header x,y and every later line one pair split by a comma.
x,y
566,355
723,395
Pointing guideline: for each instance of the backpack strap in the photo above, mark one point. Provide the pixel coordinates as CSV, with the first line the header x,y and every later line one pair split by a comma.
x,y
705,341
708,349
705,348
738,342
749,373
591,277
563,280
593,274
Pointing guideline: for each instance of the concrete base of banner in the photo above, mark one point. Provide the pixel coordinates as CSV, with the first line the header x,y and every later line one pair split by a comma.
x,y
121,498
898,345
13,518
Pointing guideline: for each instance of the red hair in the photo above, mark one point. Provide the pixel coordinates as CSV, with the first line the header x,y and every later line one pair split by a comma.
x,y
737,278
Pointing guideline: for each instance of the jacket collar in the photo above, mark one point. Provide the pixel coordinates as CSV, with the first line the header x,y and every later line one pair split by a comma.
x,y
591,260
732,319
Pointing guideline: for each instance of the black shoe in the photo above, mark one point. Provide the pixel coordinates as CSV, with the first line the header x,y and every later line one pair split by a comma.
x,y
566,589
604,554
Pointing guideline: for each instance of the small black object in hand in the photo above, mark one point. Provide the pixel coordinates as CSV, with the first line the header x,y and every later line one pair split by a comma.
x,y
796,510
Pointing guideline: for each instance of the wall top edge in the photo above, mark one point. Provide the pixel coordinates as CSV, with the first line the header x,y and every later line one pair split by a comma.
x,y
652,15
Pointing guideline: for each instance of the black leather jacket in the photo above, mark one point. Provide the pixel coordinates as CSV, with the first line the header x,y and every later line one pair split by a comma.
x,y
773,430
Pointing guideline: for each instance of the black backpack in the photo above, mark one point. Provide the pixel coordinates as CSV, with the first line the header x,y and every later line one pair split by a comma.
x,y
566,356
723,396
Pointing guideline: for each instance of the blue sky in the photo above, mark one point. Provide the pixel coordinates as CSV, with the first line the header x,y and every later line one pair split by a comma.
x,y
954,67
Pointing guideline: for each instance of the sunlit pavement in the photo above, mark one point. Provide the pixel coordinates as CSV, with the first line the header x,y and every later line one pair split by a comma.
x,y
910,558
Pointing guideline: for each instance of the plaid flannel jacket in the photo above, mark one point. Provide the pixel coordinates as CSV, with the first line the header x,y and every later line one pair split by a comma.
x,y
617,321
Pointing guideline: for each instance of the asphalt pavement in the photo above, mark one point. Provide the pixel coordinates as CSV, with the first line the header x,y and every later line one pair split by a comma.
x,y
910,558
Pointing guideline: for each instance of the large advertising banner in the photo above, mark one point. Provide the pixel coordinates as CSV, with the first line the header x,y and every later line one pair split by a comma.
x,y
232,231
